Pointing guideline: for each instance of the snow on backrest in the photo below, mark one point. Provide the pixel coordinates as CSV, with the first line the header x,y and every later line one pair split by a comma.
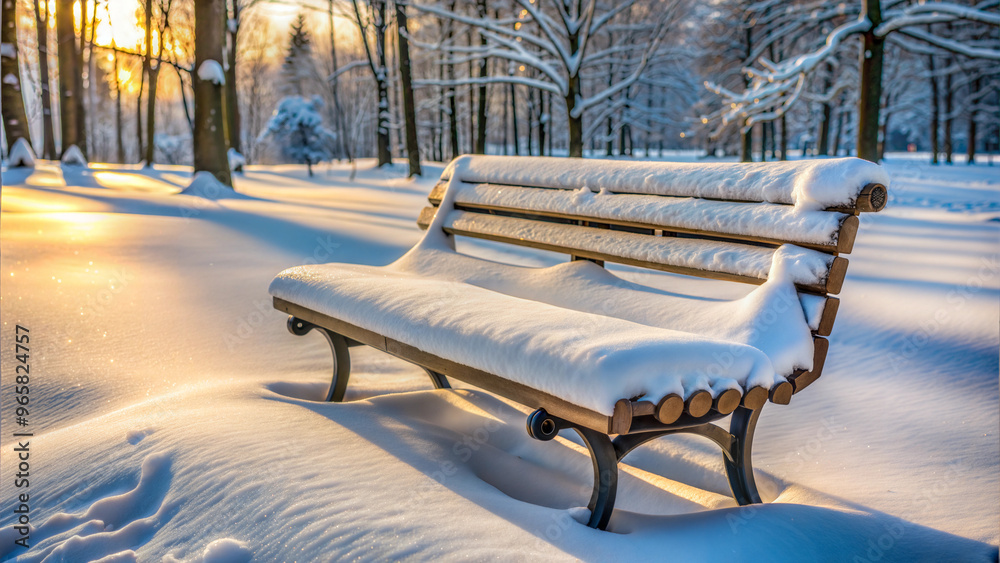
x,y
806,184
721,221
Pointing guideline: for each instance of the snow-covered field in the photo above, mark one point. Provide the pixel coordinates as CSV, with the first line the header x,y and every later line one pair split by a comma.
x,y
175,419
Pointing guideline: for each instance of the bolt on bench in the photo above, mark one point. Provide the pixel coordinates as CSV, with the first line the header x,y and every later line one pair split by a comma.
x,y
618,362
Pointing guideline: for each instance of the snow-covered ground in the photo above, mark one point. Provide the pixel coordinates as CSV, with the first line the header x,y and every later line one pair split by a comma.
x,y
174,417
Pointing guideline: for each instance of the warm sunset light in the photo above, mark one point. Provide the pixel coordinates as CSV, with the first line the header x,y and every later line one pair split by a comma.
x,y
119,21
706,280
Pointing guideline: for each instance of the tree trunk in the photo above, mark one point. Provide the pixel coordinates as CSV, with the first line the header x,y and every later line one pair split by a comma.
x,y
970,151
140,141
838,131
885,135
870,97
154,75
823,145
439,151
409,108
81,97
232,98
935,112
746,142
384,153
209,125
542,119
784,138
949,97
334,87
506,102
119,145
15,120
66,36
42,28
452,115
573,91
513,119
483,93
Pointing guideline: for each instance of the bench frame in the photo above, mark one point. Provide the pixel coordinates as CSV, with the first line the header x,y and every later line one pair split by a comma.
x,y
594,429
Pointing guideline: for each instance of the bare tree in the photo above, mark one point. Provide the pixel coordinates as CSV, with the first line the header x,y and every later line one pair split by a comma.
x,y
42,31
371,21
15,121
406,80
69,111
562,33
210,147
779,85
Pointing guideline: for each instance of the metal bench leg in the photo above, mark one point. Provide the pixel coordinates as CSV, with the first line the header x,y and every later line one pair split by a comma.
x,y
341,357
543,426
739,468
439,380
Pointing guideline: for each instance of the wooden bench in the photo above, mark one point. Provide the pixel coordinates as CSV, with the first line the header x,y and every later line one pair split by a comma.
x,y
730,222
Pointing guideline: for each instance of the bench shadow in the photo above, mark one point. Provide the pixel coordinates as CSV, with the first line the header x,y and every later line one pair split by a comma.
x,y
464,439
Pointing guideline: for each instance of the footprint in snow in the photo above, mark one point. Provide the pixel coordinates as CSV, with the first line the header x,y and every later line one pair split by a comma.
x,y
108,530
136,436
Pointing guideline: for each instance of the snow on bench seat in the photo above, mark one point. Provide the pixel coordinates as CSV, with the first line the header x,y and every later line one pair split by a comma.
x,y
572,330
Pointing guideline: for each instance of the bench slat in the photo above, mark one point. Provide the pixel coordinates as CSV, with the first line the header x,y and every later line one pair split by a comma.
x,y
803,379
730,261
756,222
830,183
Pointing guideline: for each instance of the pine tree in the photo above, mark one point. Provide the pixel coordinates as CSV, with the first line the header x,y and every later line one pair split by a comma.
x,y
298,128
298,65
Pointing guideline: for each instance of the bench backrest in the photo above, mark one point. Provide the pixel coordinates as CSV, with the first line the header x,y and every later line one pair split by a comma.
x,y
720,221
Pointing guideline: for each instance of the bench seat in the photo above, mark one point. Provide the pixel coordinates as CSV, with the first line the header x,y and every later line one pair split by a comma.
x,y
573,330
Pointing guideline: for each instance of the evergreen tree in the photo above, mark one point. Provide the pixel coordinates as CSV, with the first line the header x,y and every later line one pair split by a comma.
x,y
298,66
298,128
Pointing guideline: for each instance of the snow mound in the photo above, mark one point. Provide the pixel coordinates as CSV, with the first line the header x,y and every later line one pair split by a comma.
x,y
211,71
73,157
224,550
7,50
21,154
207,186
236,160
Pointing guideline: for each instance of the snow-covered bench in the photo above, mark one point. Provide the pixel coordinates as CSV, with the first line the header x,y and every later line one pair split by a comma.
x,y
585,348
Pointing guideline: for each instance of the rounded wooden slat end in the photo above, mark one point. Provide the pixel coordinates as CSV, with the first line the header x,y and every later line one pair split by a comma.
x,y
621,421
872,198
670,408
781,394
727,401
755,398
699,403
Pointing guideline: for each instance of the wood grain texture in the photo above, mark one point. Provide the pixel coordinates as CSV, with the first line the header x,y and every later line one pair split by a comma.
x,y
800,381
781,393
755,398
698,404
828,316
727,401
669,409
